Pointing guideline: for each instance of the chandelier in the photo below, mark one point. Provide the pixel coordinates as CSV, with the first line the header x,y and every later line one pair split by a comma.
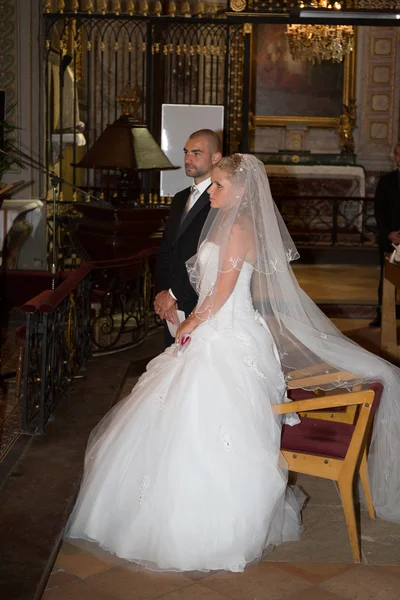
x,y
316,43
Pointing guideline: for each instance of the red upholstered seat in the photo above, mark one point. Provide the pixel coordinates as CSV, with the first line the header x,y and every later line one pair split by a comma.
x,y
314,436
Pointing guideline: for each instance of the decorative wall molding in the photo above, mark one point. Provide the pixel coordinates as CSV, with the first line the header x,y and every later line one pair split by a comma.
x,y
378,94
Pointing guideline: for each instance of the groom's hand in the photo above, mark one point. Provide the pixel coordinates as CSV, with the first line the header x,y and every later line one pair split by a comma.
x,y
163,302
171,315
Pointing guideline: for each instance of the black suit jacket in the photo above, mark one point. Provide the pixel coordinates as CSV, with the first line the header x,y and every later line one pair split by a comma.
x,y
178,244
387,208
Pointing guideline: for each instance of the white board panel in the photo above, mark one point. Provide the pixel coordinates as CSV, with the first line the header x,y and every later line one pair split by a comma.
x,y
177,123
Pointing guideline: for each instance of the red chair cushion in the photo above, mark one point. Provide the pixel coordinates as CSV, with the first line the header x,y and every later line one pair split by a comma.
x,y
323,438
314,436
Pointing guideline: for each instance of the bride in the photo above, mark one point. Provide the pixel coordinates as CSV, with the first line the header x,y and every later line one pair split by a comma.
x,y
186,473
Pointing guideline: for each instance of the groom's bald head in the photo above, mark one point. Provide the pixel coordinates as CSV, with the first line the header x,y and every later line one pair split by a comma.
x,y
213,140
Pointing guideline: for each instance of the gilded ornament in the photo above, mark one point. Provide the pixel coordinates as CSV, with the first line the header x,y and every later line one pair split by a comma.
x,y
172,8
103,8
130,7
47,6
117,6
75,6
158,8
200,9
145,8
247,28
238,5
317,43
345,126
61,6
186,9
89,6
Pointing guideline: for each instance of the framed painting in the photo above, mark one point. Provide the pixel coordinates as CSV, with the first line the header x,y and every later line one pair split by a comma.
x,y
295,91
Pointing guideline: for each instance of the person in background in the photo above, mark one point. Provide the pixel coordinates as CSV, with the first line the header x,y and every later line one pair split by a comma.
x,y
387,214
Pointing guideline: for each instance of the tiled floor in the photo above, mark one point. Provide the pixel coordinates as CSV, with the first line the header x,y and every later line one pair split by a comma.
x,y
320,566
79,576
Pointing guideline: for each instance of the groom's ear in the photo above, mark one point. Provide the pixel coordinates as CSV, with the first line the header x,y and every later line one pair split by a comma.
x,y
216,157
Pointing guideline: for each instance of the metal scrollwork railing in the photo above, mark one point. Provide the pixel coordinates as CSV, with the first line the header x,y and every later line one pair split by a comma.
x,y
57,345
122,302
329,222
100,308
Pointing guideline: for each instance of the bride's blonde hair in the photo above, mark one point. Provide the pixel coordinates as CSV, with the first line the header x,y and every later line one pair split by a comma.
x,y
229,164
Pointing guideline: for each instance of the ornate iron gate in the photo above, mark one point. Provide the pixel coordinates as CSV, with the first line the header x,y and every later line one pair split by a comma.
x,y
90,58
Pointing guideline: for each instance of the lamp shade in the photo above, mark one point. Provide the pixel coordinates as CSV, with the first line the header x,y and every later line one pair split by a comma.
x,y
128,146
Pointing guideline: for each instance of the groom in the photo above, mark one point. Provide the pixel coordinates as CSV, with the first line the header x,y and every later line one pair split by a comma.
x,y
188,212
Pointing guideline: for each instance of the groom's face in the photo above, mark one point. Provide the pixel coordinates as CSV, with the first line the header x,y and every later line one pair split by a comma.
x,y
199,159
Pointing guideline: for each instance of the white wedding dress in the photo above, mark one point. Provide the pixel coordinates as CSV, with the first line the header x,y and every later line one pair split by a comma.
x,y
185,473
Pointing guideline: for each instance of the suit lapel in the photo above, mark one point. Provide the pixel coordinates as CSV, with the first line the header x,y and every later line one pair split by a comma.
x,y
201,203
175,216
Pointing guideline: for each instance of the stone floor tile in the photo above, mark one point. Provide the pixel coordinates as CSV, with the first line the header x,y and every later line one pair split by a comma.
x,y
127,584
260,582
59,577
364,583
325,539
82,565
315,593
67,548
78,590
195,592
314,572
319,491
393,571
380,541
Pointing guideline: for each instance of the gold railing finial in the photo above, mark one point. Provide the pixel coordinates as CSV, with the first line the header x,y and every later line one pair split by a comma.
x,y
172,8
158,8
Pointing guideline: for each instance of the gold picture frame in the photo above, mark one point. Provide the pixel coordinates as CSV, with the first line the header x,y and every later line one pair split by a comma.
x,y
263,120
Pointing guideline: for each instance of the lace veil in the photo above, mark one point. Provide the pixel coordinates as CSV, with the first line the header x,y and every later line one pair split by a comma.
x,y
307,341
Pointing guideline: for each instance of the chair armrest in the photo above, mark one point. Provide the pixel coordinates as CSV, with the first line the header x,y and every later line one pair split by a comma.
x,y
348,399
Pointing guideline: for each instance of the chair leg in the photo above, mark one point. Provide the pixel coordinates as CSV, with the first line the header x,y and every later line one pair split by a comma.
x,y
365,485
346,494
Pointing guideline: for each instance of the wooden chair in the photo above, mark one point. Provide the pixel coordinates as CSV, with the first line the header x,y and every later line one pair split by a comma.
x,y
343,414
333,449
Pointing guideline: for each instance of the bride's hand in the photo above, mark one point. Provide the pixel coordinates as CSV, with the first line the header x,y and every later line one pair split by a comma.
x,y
186,328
